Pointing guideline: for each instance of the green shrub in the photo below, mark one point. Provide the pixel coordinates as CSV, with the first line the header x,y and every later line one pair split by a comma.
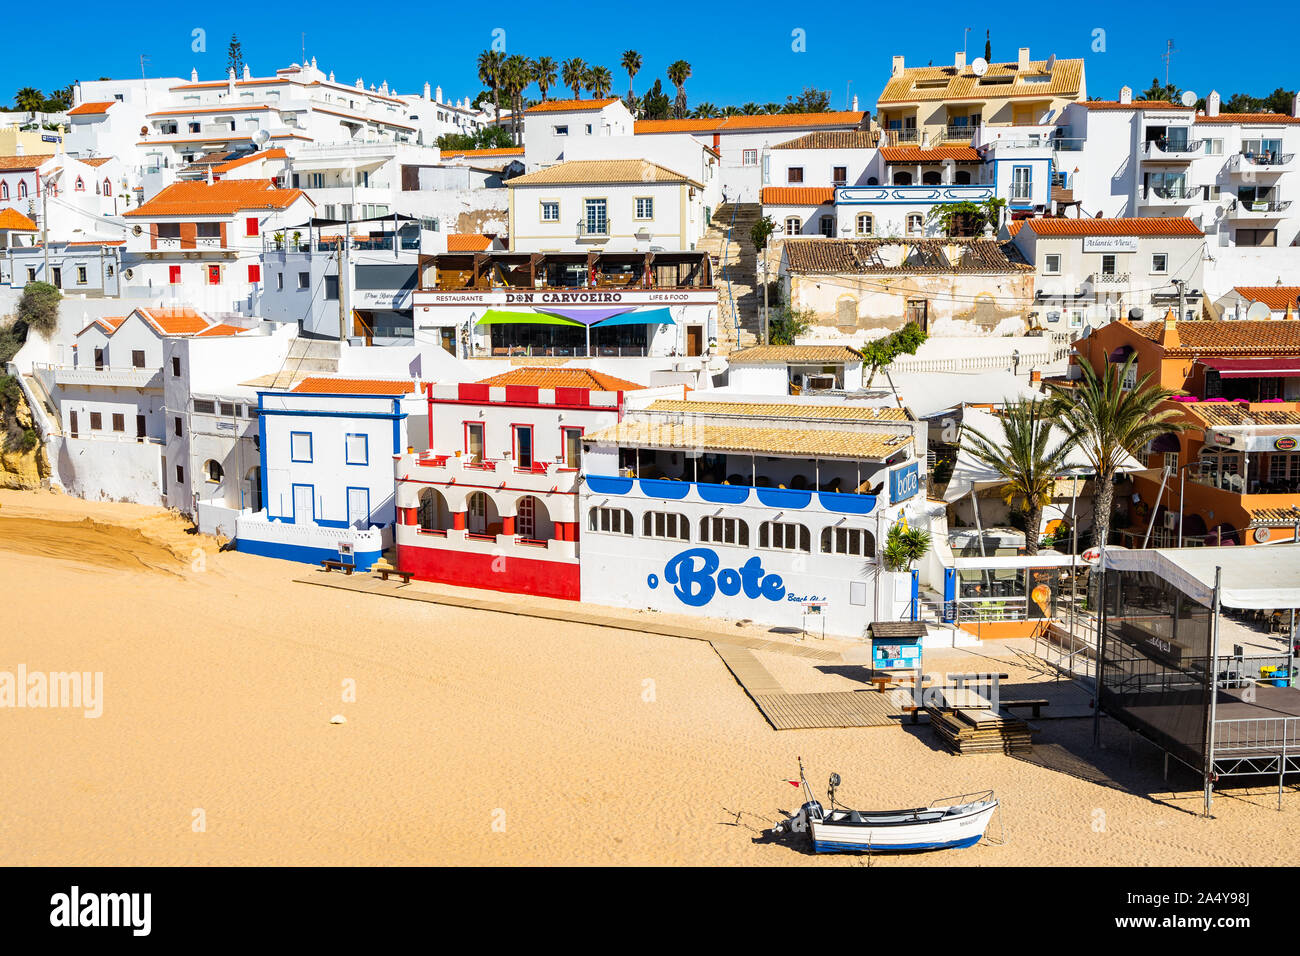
x,y
39,307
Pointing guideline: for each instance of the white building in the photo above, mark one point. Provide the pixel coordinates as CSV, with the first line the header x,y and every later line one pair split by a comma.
x,y
552,125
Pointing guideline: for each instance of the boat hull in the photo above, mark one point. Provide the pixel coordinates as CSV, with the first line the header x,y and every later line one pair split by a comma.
x,y
957,832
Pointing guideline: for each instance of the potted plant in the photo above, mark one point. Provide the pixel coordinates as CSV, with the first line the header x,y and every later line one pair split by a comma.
x,y
297,240
279,241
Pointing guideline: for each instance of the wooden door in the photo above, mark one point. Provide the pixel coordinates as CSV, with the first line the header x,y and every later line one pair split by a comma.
x,y
694,340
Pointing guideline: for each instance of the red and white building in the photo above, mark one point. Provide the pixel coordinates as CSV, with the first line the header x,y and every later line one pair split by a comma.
x,y
493,502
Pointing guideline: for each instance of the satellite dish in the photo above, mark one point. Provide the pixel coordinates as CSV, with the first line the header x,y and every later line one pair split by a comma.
x,y
979,66
1258,311
261,138
128,274
136,230
1051,62
1189,98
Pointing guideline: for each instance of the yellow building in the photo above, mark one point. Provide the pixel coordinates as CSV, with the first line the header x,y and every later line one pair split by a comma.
x,y
946,104
30,142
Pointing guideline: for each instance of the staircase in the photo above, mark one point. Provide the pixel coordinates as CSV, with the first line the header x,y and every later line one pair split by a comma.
x,y
308,357
735,273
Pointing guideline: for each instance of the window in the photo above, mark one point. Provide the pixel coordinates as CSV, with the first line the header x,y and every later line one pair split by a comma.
x,y
724,531
1257,237
915,224
793,225
1108,264
174,275
1022,185
304,280
229,410
1159,263
666,524
214,471
572,441
523,446
612,520
865,224
1214,147
250,226
645,208
784,536
108,188
214,274
551,211
749,157
203,406
176,426
207,230
168,230
180,475
794,175
4,190
22,189
279,282
31,273
108,270
254,272
137,358
848,541
96,421
826,226
1212,193
119,422
597,223
474,441
356,449
81,275
561,130
1052,264
588,129
300,446
839,175
902,179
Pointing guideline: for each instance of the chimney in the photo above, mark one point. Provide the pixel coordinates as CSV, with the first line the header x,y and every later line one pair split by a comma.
x,y
331,76
1022,59
1035,375
384,88
194,76
1169,333
230,81
248,74
428,91
360,84
925,139
855,104
1126,94
1295,106
960,61
1212,103
897,67
76,94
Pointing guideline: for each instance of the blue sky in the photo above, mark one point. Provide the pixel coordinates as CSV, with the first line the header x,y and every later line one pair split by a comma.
x,y
738,52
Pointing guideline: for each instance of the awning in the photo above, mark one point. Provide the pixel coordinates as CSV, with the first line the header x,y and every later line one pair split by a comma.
x,y
1282,367
588,316
502,317
640,317
1254,577
1118,356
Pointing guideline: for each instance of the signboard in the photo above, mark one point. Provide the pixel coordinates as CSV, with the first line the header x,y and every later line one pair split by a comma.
x,y
1285,443
1110,244
50,138
904,483
568,297
1251,440
896,653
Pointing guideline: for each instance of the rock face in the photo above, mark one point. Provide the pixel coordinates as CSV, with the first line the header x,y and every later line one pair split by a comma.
x,y
22,455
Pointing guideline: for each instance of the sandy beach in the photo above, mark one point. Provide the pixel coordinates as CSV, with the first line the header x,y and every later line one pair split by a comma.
x,y
478,737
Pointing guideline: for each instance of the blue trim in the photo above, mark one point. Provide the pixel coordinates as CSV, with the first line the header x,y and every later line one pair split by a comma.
x,y
365,448
293,501
846,503
606,485
828,846
397,433
300,461
662,488
723,494
319,414
261,454
347,499
784,497
305,554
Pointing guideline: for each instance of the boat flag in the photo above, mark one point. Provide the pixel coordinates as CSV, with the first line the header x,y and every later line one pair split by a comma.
x,y
793,783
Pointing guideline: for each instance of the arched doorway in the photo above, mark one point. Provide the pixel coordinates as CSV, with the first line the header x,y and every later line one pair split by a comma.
x,y
932,179
253,488
482,516
533,521
434,515
902,179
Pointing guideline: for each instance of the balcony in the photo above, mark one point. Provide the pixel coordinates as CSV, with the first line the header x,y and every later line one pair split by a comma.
x,y
576,273
1175,195
1173,151
119,376
593,232
1258,163
1258,209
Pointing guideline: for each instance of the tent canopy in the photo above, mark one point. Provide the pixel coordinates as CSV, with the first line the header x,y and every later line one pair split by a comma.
x,y
640,317
969,472
503,317
1261,576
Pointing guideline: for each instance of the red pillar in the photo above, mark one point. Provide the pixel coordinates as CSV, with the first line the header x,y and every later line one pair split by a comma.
x,y
458,520
508,525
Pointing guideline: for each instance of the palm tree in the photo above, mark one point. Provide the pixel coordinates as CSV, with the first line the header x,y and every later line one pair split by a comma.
x,y
29,100
544,73
1109,422
1026,459
599,81
516,74
704,111
631,63
771,108
679,71
730,110
750,109
903,545
574,73
489,74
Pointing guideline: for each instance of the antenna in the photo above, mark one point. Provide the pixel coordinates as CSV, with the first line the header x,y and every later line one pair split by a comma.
x,y
964,38
979,66
1167,56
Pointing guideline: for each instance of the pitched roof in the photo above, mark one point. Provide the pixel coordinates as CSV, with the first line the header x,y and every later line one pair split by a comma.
x,y
1276,297
467,242
1249,119
925,83
834,139
473,153
90,109
197,110
1137,105
798,411
13,219
108,324
223,198
1128,226
1228,336
180,320
583,171
903,256
930,154
794,354
95,160
1218,414
221,329
354,386
797,195
562,378
275,153
803,442
17,164
571,105
96,243
731,124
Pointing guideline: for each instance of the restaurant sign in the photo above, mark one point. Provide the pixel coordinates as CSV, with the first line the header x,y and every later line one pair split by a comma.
x,y
904,483
1285,443
1110,244
426,298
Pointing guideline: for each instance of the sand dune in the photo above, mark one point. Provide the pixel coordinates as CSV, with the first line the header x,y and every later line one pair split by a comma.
x,y
474,737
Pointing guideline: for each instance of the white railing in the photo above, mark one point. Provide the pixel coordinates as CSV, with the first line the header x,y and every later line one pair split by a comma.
x,y
128,376
974,363
1257,736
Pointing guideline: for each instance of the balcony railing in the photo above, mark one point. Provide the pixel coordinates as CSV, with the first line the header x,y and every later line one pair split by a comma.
x,y
598,231
123,376
1181,148
1258,207
1172,194
1270,160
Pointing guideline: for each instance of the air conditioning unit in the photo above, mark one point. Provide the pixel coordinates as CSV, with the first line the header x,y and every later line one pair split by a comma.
x,y
1171,520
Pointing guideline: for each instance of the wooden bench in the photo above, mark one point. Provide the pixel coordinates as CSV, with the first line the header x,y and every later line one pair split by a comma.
x,y
338,566
385,572
1037,705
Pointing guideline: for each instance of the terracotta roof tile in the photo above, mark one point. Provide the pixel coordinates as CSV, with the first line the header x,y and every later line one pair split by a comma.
x,y
1249,119
355,386
731,124
834,139
175,321
571,105
17,164
1218,414
1276,297
197,110
91,109
562,378
1208,337
925,83
903,256
275,153
13,219
224,198
797,195
108,324
793,354
583,171
96,243
1137,105
473,153
467,242
1140,226
221,329
805,443
96,160
931,154
798,411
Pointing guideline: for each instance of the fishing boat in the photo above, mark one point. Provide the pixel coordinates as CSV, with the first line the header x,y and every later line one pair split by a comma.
x,y
948,823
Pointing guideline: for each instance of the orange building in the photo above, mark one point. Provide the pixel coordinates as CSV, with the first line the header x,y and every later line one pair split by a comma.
x,y
1235,475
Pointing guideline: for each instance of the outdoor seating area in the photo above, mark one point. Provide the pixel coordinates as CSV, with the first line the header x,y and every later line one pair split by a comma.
x,y
540,271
